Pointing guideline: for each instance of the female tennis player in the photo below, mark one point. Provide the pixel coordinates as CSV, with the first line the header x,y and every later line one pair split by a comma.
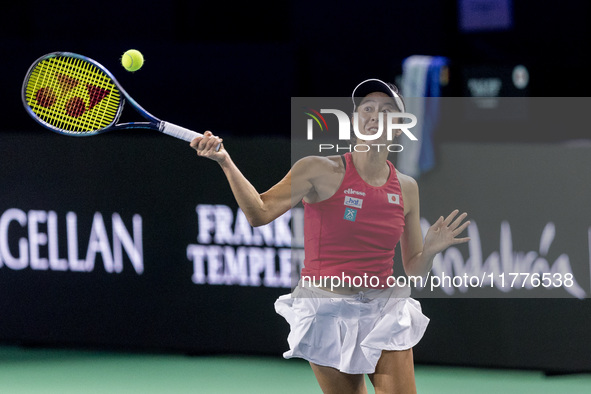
x,y
357,208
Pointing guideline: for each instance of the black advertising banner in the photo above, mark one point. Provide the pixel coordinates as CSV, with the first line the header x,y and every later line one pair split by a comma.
x,y
129,239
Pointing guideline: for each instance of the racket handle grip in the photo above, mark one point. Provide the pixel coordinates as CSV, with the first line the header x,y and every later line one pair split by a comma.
x,y
180,132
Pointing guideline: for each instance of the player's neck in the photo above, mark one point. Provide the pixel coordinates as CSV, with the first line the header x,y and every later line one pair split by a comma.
x,y
371,165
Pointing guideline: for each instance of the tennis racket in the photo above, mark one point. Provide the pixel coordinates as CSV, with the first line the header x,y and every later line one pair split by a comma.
x,y
73,95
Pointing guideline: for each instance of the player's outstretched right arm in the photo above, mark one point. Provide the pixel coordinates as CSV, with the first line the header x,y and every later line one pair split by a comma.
x,y
259,208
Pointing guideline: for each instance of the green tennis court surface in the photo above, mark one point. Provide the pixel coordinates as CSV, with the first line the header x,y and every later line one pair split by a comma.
x,y
34,370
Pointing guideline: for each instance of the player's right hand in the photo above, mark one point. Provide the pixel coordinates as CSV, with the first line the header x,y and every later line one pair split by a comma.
x,y
205,146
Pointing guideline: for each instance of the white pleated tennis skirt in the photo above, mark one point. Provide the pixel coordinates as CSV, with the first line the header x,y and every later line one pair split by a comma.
x,y
349,332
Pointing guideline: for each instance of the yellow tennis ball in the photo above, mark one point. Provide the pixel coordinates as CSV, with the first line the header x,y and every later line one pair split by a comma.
x,y
132,60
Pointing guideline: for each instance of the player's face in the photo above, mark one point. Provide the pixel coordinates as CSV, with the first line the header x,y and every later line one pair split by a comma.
x,y
369,111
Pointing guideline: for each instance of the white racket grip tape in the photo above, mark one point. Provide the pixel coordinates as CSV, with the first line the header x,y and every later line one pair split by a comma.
x,y
180,132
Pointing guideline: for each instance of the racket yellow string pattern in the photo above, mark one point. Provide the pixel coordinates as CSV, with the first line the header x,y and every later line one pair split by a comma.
x,y
72,95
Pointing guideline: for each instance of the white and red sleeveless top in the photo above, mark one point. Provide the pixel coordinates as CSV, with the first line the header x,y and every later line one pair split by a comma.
x,y
355,231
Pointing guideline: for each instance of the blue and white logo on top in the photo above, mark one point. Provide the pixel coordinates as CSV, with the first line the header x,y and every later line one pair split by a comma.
x,y
350,214
353,202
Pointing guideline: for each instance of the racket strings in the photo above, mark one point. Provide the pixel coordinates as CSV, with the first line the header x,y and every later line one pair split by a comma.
x,y
72,95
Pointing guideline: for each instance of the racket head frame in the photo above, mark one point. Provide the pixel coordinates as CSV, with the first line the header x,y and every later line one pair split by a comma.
x,y
152,122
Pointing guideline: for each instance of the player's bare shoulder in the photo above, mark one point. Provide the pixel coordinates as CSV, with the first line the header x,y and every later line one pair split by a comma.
x,y
325,173
410,191
316,166
406,181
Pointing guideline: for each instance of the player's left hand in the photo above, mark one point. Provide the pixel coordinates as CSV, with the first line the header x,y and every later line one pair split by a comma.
x,y
443,233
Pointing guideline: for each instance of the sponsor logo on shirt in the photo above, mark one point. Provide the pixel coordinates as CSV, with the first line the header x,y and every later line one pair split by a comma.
x,y
351,191
393,198
353,202
350,214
